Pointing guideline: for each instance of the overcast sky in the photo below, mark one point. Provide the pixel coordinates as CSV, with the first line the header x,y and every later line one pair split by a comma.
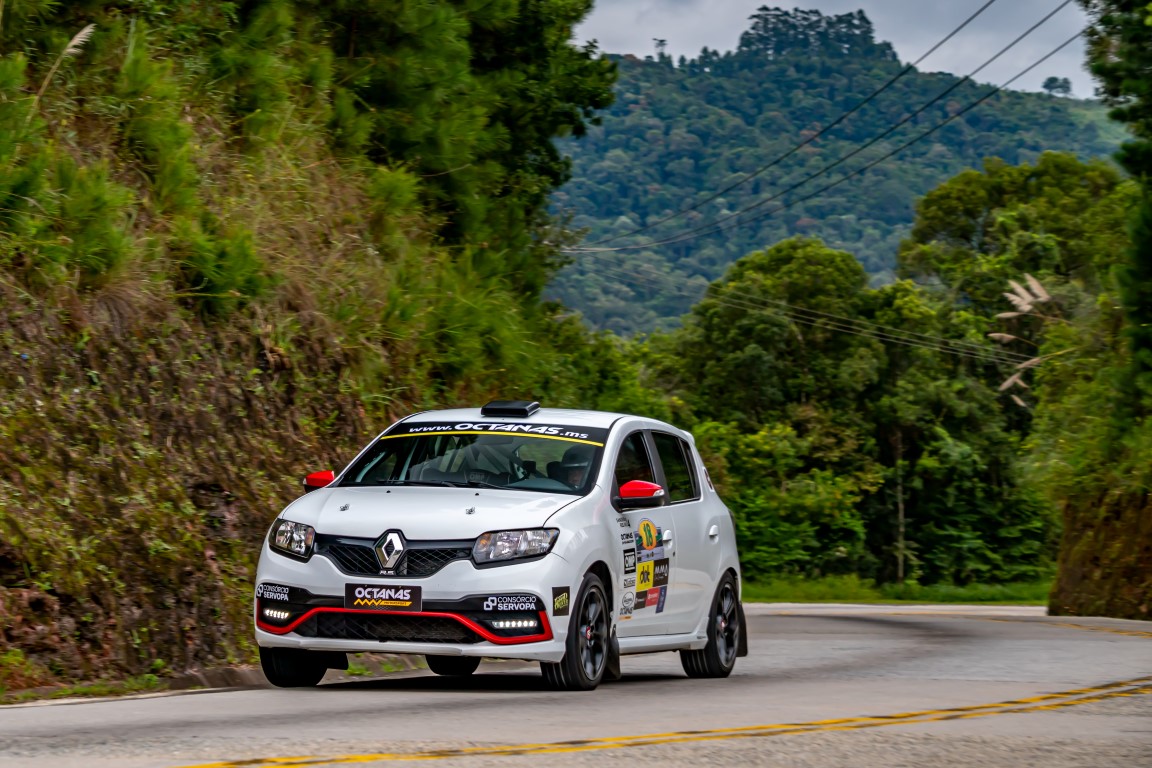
x,y
912,26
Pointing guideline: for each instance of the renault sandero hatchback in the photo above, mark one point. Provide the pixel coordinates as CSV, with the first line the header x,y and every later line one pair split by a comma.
x,y
510,531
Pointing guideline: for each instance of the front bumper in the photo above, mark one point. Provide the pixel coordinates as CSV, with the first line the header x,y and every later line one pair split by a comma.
x,y
452,619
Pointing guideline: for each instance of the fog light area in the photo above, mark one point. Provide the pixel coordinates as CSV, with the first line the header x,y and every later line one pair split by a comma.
x,y
276,613
514,623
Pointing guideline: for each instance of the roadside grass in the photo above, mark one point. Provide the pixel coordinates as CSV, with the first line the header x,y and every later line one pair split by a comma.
x,y
853,589
141,684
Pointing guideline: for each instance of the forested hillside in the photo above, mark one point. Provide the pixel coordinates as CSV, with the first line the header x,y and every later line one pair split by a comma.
x,y
235,240
681,131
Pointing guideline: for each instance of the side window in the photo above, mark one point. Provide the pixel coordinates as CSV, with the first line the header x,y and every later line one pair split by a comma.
x,y
633,462
676,458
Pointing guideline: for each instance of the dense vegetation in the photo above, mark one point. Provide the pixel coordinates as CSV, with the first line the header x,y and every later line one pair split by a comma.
x,y
235,239
1094,444
681,131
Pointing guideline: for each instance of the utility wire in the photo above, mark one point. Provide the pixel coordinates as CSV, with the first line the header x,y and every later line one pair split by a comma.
x,y
840,323
717,225
822,132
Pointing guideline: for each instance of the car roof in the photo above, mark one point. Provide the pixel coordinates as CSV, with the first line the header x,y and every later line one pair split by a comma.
x,y
572,417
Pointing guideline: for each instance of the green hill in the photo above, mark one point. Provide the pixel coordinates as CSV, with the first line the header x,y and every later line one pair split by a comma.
x,y
679,131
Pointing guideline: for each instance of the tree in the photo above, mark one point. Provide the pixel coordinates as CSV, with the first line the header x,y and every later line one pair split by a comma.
x,y
838,451
1058,86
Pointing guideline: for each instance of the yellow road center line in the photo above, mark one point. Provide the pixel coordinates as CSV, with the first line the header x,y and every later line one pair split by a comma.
x,y
1043,702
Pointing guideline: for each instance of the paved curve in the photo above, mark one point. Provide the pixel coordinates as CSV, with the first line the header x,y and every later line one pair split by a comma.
x,y
826,686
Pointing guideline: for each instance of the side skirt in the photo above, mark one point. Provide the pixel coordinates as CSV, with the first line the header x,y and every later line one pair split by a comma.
x,y
652,643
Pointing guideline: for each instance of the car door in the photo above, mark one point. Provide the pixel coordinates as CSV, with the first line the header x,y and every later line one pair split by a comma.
x,y
647,604
697,526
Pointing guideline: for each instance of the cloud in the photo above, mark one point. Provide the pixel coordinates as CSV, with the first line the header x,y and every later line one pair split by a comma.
x,y
912,26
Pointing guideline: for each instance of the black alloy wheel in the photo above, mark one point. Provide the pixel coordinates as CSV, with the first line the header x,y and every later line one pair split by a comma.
x,y
724,631
588,647
453,666
296,668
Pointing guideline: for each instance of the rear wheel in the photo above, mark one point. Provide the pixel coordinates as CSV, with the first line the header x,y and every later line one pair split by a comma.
x,y
294,668
588,646
453,666
724,630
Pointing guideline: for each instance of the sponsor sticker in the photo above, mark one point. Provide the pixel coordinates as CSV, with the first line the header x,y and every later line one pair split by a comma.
x,y
629,581
647,535
272,592
627,538
630,562
374,597
660,573
644,575
511,603
628,601
651,555
560,601
641,600
660,599
623,522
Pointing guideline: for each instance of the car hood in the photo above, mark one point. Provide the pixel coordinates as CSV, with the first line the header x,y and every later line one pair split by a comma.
x,y
423,513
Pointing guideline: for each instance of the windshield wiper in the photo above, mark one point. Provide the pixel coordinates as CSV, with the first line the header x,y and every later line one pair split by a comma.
x,y
439,483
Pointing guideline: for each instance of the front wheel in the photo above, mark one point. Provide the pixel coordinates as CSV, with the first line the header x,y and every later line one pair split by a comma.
x,y
724,632
453,666
588,647
294,668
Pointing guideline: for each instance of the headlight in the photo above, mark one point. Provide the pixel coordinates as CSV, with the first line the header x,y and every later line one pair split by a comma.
x,y
291,538
510,545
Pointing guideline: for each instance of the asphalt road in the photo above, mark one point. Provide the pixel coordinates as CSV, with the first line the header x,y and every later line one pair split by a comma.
x,y
824,686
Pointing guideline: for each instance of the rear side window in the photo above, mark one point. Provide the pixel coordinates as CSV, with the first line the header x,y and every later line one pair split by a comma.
x,y
677,460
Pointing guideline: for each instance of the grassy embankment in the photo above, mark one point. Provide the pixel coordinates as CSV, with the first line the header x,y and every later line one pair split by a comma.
x,y
852,589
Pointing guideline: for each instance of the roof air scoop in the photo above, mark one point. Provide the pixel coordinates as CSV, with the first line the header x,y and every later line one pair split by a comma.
x,y
515,409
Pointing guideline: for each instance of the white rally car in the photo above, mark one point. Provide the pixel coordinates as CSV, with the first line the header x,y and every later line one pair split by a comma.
x,y
510,531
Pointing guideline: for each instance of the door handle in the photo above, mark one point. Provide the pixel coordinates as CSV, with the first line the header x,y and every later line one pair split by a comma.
x,y
666,538
714,532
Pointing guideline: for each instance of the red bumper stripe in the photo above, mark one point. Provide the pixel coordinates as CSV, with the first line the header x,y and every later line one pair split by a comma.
x,y
545,634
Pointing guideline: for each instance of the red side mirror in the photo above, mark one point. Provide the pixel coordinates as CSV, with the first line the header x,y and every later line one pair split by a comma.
x,y
639,494
640,489
319,480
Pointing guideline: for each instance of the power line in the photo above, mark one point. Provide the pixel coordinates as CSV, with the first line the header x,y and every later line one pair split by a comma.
x,y
891,154
822,132
854,326
717,225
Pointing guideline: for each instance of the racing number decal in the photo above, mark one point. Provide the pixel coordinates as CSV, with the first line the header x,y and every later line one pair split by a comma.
x,y
646,535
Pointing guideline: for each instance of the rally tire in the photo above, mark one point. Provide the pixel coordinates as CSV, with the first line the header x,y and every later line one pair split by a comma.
x,y
453,666
725,629
292,667
588,647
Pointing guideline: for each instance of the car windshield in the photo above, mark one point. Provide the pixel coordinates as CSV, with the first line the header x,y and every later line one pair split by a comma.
x,y
549,458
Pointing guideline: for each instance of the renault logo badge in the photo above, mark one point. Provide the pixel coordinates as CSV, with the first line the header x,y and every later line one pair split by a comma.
x,y
389,549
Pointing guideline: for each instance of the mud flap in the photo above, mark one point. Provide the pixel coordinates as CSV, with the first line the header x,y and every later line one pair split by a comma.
x,y
742,646
612,668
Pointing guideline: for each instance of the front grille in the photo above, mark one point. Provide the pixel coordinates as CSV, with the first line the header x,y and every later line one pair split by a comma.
x,y
425,562
384,628
352,558
357,557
